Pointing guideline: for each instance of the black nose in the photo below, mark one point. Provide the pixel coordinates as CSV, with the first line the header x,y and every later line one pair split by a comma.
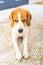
x,y
20,30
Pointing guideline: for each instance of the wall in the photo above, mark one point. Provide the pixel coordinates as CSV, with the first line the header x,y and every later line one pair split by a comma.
x,y
33,1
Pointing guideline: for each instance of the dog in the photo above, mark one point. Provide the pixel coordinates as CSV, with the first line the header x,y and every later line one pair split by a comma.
x,y
20,21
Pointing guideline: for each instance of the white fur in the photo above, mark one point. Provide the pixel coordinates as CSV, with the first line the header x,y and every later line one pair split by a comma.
x,y
16,34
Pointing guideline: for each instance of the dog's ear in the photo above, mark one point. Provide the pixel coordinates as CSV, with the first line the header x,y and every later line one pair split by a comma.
x,y
11,19
29,16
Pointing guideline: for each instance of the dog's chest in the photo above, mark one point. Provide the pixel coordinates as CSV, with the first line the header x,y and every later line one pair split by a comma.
x,y
20,43
20,40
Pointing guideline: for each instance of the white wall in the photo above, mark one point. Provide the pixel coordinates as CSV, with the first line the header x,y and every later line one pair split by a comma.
x,y
33,1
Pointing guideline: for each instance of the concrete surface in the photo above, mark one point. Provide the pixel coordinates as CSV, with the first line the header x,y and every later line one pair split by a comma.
x,y
7,52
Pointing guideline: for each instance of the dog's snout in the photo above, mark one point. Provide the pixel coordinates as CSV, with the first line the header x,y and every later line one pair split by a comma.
x,y
20,30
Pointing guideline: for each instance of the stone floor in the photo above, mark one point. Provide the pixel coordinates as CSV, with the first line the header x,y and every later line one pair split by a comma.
x,y
7,53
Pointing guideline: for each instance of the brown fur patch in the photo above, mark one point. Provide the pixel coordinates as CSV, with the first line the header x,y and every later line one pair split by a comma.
x,y
25,17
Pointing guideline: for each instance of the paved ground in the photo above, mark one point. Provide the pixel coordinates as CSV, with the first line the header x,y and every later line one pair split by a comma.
x,y
7,53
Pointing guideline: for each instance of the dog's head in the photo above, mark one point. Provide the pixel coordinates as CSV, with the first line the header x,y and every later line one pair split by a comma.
x,y
20,18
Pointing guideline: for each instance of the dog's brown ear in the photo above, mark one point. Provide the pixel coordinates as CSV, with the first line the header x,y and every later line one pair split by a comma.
x,y
29,16
11,19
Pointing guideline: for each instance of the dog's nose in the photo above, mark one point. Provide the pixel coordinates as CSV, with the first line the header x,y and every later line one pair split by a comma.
x,y
20,30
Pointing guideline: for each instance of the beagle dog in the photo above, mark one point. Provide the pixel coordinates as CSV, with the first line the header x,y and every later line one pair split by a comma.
x,y
19,21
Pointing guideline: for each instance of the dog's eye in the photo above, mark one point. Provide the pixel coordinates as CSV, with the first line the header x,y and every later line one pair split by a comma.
x,y
24,20
16,20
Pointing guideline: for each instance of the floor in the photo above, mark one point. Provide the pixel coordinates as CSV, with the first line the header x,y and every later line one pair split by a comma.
x,y
35,45
7,53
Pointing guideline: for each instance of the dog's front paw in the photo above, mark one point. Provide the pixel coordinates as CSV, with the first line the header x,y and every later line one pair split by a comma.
x,y
19,56
26,54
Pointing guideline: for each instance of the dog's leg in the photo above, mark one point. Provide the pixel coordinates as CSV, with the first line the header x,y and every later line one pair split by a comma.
x,y
25,44
25,52
18,53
